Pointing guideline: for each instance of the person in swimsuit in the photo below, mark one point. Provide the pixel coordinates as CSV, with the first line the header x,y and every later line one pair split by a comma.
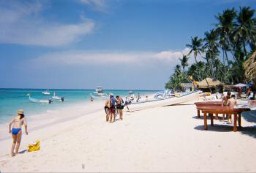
x,y
225,99
112,109
107,109
231,103
15,128
119,106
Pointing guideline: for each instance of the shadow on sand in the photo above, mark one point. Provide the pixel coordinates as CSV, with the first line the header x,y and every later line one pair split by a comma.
x,y
23,151
250,130
215,128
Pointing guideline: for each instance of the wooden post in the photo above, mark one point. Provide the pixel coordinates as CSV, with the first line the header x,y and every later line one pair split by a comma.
x,y
211,115
205,121
235,122
239,121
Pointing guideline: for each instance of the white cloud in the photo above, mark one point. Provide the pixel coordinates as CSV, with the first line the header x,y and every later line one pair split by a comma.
x,y
99,5
171,55
22,24
42,35
105,58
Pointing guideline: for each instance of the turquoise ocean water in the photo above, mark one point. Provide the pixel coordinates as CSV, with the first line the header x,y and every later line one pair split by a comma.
x,y
13,99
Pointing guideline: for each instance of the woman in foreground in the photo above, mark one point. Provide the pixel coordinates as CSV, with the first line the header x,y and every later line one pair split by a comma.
x,y
15,128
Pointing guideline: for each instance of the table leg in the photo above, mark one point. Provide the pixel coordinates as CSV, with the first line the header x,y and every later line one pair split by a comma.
x,y
235,124
205,121
239,120
198,113
211,115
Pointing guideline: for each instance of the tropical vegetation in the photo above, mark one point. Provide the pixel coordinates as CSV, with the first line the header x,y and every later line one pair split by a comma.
x,y
222,53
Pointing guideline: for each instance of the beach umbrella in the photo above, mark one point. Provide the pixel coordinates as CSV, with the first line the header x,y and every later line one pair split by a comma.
x,y
240,85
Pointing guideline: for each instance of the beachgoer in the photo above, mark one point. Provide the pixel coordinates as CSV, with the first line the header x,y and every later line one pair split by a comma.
x,y
225,103
119,106
107,109
138,97
15,128
231,103
225,99
112,109
127,102
248,93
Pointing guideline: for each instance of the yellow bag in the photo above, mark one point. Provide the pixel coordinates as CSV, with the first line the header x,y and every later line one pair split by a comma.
x,y
34,147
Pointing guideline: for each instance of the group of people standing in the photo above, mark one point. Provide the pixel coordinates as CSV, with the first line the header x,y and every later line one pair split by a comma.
x,y
114,106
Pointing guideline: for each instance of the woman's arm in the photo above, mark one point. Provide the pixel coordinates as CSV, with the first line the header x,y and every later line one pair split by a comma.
x,y
10,126
26,126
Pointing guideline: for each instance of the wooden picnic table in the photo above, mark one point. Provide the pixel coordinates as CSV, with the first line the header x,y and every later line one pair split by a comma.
x,y
206,103
210,109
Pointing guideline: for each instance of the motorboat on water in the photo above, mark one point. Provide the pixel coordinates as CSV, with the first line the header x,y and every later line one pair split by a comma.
x,y
164,94
34,100
46,92
55,97
99,93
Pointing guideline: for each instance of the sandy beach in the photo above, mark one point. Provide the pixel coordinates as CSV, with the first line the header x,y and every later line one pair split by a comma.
x,y
152,138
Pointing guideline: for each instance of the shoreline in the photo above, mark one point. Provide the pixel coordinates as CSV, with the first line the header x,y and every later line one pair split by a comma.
x,y
150,139
79,109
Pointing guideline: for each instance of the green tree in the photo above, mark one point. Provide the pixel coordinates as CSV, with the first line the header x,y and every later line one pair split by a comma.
x,y
196,47
224,29
245,29
184,62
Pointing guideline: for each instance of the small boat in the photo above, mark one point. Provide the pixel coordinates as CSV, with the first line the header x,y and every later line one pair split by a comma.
x,y
99,93
46,92
34,100
55,97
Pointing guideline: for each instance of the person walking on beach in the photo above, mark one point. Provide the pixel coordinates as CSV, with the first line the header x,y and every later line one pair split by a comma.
x,y
15,128
112,109
107,109
119,106
127,102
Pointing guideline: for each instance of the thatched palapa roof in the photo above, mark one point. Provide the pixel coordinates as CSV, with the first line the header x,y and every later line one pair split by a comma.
x,y
250,67
208,82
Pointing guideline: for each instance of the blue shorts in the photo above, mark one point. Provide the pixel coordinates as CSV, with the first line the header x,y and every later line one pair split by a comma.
x,y
15,131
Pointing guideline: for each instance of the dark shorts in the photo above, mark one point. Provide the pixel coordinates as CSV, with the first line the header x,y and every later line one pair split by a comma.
x,y
106,110
119,106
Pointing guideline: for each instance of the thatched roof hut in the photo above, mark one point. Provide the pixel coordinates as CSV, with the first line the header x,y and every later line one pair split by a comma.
x,y
208,83
250,68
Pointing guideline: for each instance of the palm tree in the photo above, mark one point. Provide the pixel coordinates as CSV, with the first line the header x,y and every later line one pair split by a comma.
x,y
224,28
196,47
211,47
184,62
175,80
245,28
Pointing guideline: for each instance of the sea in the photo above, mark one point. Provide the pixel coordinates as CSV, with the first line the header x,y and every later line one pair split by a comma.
x,y
13,99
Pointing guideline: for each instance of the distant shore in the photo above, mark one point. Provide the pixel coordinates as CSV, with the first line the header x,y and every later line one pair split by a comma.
x,y
152,137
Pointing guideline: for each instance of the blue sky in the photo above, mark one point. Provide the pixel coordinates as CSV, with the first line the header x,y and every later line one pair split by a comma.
x,y
118,44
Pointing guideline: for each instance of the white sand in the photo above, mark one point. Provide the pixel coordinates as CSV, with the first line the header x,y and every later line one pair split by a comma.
x,y
156,139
